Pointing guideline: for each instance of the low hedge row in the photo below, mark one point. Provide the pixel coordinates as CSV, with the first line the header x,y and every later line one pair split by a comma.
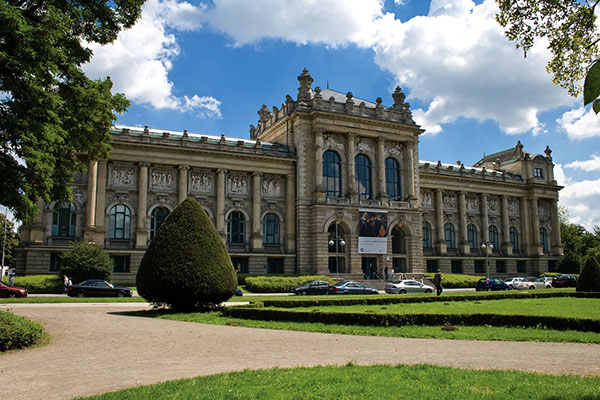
x,y
343,301
40,283
457,280
278,284
526,321
17,332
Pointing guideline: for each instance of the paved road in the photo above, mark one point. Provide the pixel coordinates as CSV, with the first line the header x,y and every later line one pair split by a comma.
x,y
98,348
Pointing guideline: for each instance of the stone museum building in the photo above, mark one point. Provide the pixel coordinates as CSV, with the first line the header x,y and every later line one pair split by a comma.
x,y
327,184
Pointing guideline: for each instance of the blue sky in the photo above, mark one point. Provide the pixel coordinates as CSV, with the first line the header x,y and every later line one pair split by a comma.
x,y
208,66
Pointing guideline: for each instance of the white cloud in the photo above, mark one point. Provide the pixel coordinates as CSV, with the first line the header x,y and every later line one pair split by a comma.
x,y
592,164
577,197
139,61
580,124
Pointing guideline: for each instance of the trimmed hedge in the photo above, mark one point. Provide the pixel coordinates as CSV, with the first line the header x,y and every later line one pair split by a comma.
x,y
40,283
278,284
589,280
457,280
527,321
17,332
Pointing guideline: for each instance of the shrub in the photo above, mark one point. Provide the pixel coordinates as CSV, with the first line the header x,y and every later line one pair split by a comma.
x,y
589,280
278,284
17,332
40,283
457,280
186,265
86,261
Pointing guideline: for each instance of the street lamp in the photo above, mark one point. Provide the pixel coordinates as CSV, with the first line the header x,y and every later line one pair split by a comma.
x,y
337,244
487,246
4,242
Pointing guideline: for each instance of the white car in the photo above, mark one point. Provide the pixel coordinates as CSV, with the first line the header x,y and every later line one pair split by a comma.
x,y
514,282
542,283
407,286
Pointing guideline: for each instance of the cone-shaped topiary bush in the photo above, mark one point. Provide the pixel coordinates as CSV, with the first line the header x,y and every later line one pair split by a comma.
x,y
589,279
186,265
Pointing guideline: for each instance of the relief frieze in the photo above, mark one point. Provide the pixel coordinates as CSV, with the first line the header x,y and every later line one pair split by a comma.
x,y
201,182
122,176
162,179
272,187
237,185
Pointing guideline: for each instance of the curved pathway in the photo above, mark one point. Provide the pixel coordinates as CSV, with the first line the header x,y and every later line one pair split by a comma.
x,y
97,348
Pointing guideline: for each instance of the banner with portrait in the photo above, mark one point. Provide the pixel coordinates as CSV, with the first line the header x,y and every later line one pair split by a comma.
x,y
372,232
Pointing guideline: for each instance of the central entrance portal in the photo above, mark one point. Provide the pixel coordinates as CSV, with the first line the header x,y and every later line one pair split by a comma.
x,y
369,267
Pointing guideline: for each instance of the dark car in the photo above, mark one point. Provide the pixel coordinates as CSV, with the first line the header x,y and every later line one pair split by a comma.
x,y
487,284
564,280
97,288
351,287
12,291
313,287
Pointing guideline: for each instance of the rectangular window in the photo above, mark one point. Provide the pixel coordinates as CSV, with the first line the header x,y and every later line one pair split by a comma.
x,y
479,267
500,266
337,264
399,265
456,266
274,265
240,264
120,263
537,172
521,267
431,265
54,262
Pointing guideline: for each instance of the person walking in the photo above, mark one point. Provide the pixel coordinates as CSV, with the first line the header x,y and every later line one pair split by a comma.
x,y
437,282
65,283
386,273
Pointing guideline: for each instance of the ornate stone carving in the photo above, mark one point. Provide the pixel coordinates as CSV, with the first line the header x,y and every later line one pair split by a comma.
x,y
237,185
272,187
427,198
492,203
543,210
330,143
395,150
201,182
449,200
364,147
162,179
473,202
80,196
119,197
122,176
513,206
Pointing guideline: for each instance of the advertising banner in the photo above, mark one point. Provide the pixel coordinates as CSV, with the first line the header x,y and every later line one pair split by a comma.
x,y
372,232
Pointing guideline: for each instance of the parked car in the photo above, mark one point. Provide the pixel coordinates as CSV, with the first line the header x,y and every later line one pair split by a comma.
x,y
12,291
313,287
407,286
351,287
513,282
525,284
541,283
488,284
97,288
564,280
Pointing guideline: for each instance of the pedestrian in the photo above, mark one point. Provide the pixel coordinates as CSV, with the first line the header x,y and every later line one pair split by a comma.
x,y
437,282
11,278
386,273
65,283
393,274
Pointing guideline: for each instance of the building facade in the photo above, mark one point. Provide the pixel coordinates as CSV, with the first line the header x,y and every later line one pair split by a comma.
x,y
328,183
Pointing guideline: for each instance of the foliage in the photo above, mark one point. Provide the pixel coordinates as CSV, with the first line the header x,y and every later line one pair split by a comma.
x,y
40,283
17,332
589,280
278,284
570,29
53,116
457,280
12,241
86,261
186,265
576,241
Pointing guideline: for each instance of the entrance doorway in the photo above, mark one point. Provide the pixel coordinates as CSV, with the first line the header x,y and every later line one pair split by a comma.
x,y
369,267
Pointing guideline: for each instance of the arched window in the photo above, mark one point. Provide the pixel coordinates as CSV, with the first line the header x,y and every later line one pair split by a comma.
x,y
450,236
514,238
236,227
393,185
271,229
332,174
398,241
63,219
362,168
472,237
426,235
493,236
119,224
544,238
157,217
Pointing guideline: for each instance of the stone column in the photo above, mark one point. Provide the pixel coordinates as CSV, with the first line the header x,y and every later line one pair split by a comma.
x,y
383,196
290,214
536,244
183,182
101,202
557,248
506,246
410,169
350,173
439,221
319,162
90,205
485,222
462,211
141,234
220,212
257,237
525,245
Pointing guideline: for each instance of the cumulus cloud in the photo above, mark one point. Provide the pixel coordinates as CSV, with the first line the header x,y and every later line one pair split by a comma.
x,y
580,124
139,61
592,164
577,196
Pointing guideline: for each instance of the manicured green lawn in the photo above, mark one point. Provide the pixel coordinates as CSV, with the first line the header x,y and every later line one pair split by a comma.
x,y
373,382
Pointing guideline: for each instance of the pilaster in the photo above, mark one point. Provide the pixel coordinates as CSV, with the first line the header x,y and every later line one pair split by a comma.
x,y
383,196
506,246
183,177
101,202
257,238
439,221
319,190
557,248
410,162
350,172
485,221
536,245
141,233
90,205
220,214
463,242
290,213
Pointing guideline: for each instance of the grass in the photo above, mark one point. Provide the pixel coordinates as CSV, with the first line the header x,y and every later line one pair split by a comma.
x,y
63,299
421,382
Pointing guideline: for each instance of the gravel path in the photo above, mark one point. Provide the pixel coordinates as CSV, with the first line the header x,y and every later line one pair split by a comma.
x,y
97,348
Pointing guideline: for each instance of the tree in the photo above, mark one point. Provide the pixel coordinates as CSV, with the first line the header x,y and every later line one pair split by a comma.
x,y
589,280
572,34
53,117
186,265
86,261
12,241
577,242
